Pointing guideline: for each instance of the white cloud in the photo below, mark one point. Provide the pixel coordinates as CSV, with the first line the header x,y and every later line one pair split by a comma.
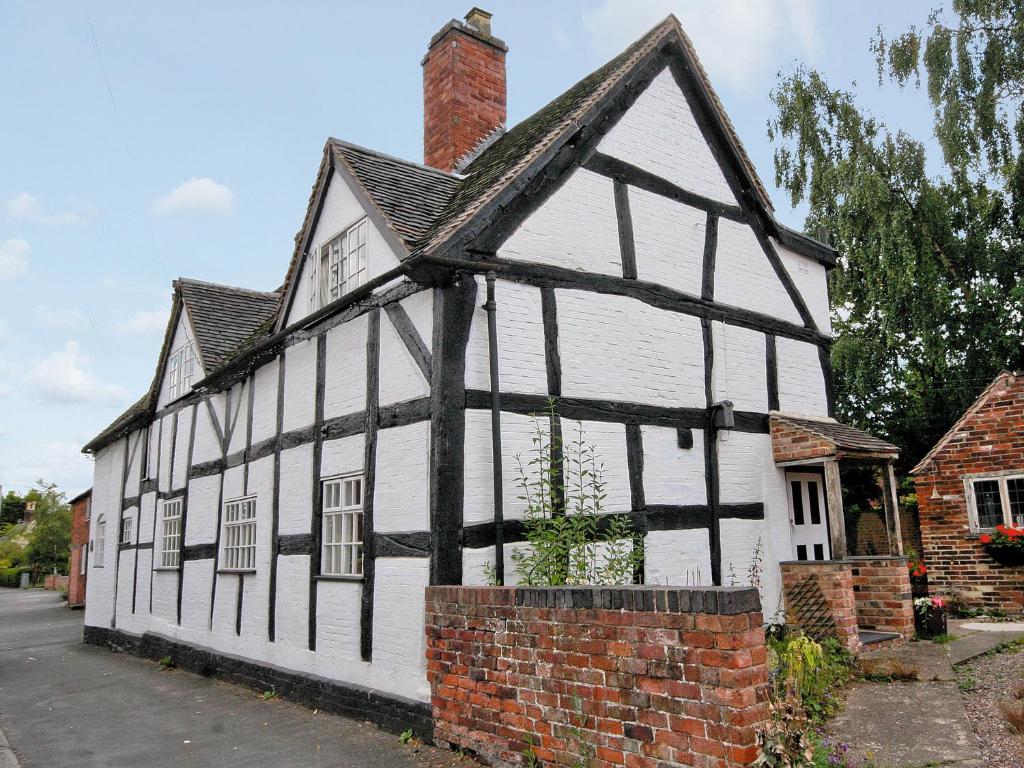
x,y
13,258
61,462
59,317
144,322
25,206
740,43
65,377
196,196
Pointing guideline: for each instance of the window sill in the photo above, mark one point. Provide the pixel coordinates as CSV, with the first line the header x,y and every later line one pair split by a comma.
x,y
167,568
339,577
236,571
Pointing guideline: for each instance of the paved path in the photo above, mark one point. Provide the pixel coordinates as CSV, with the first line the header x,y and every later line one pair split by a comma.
x,y
63,703
973,638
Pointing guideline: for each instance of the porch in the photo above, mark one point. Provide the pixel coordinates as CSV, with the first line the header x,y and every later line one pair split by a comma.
x,y
863,599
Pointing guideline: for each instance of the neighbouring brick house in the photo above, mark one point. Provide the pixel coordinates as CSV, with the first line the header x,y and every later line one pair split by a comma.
x,y
971,481
308,460
81,509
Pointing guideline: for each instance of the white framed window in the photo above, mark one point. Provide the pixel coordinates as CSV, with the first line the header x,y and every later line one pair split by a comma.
x,y
170,533
343,526
83,560
343,262
995,500
239,537
100,541
126,530
181,367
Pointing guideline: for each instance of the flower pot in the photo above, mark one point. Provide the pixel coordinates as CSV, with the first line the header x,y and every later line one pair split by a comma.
x,y
1008,556
919,586
930,623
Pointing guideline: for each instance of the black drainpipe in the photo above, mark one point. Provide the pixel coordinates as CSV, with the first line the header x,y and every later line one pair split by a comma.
x,y
499,514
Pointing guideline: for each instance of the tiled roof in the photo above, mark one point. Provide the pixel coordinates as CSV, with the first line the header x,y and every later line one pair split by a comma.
x,y
843,436
511,154
136,411
223,317
410,196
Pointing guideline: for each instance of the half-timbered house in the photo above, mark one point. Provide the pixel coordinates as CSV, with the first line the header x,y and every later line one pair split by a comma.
x,y
307,460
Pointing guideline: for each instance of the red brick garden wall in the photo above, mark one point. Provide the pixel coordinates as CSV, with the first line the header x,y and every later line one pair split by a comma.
x,y
989,440
819,598
881,589
644,677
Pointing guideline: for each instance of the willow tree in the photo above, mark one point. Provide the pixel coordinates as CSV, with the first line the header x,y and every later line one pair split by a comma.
x,y
928,303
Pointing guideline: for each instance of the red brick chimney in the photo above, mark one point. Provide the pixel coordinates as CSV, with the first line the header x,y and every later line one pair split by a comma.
x,y
463,89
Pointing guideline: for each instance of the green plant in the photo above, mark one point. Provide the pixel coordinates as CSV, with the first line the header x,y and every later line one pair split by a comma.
x,y
530,759
785,741
944,638
11,577
167,662
569,538
405,737
814,671
966,683
585,751
268,695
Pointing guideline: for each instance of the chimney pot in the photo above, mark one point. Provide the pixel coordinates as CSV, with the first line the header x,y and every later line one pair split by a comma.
x,y
480,20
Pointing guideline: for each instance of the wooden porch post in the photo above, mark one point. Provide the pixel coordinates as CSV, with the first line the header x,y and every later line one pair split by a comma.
x,y
892,509
836,518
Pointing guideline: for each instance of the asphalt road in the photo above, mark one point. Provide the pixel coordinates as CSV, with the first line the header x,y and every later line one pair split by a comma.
x,y
68,705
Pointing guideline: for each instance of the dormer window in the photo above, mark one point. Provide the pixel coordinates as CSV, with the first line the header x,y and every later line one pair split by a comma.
x,y
343,262
181,367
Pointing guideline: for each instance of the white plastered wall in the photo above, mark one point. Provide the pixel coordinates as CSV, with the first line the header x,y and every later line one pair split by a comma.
x,y
182,335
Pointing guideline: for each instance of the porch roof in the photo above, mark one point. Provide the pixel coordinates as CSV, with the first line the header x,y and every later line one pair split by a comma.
x,y
807,440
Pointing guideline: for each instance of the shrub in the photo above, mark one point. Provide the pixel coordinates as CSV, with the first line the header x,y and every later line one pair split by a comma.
x,y
570,538
1013,714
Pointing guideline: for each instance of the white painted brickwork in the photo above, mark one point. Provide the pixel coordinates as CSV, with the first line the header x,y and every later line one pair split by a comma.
x,y
475,563
743,458
744,277
659,134
399,642
203,494
166,440
401,500
673,475
343,456
239,415
183,437
264,407
604,355
207,442
345,374
678,558
575,228
520,340
516,440
811,279
292,607
296,489
801,383
400,378
669,241
740,373
299,385
609,444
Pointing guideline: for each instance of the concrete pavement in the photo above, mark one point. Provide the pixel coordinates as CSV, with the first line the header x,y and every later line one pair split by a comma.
x,y
63,703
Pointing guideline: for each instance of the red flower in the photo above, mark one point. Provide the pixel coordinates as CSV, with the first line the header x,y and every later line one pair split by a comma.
x,y
1001,528
985,539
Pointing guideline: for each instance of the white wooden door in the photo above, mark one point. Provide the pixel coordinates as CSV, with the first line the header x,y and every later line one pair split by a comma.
x,y
808,515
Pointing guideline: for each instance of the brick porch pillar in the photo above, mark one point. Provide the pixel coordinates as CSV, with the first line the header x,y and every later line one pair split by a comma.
x,y
820,600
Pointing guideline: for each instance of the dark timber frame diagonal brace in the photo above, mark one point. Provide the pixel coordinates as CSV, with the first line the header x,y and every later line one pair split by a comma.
x,y
454,305
317,500
410,337
370,470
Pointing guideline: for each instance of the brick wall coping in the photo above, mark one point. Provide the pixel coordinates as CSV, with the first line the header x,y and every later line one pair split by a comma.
x,y
827,564
726,601
853,560
883,558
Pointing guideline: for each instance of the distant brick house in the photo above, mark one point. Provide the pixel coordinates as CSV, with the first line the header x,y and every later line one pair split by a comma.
x,y
971,481
81,508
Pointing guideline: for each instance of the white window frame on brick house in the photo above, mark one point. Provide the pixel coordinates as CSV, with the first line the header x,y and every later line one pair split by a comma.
x,y
1006,500
238,537
342,547
83,563
101,541
170,534
342,263
181,368
127,524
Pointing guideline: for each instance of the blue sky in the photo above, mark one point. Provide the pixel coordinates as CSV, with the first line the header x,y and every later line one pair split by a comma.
x,y
141,142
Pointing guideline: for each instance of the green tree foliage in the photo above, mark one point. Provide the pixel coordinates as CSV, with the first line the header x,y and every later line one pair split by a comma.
x,y
51,536
928,299
12,510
